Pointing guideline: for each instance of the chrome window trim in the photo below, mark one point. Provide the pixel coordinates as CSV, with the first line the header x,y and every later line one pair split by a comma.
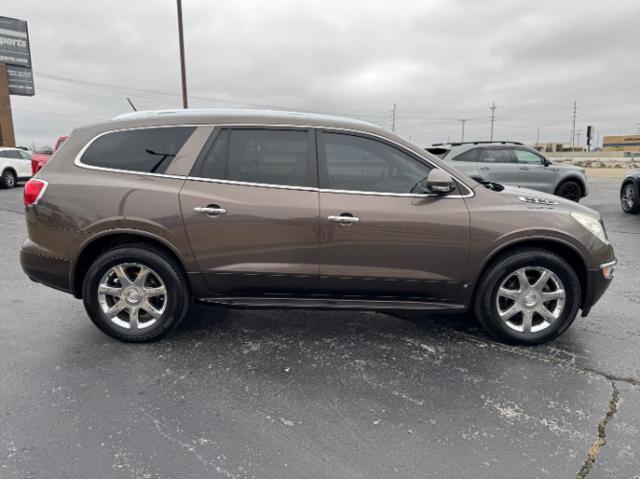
x,y
78,160
249,183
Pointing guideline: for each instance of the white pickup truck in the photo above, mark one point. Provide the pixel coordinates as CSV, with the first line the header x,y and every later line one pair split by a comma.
x,y
15,165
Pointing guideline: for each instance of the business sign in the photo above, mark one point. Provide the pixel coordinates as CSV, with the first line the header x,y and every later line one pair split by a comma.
x,y
16,54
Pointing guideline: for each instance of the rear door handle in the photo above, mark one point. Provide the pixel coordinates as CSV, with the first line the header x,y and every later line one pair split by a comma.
x,y
524,168
344,219
210,210
485,168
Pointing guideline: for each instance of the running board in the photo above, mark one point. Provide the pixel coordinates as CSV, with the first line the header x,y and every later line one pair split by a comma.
x,y
333,303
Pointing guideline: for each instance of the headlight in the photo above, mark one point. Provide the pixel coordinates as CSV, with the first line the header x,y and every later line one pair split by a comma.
x,y
592,224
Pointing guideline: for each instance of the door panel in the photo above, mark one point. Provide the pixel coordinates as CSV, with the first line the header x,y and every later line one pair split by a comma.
x,y
533,173
21,165
467,162
248,235
499,165
266,241
401,246
381,238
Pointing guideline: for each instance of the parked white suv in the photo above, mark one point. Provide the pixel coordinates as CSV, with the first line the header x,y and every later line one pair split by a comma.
x,y
15,165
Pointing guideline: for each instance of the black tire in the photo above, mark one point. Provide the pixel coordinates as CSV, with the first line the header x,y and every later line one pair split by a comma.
x,y
8,179
630,198
570,190
163,267
486,297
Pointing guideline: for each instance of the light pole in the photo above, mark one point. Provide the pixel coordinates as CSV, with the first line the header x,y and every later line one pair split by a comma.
x,y
183,72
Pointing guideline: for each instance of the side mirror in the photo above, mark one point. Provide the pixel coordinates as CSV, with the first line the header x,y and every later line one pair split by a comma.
x,y
440,182
546,162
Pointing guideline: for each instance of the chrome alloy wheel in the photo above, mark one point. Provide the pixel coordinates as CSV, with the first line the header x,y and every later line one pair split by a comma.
x,y
132,296
628,197
530,299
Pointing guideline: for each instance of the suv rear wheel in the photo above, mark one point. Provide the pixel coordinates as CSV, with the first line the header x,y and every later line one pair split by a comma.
x,y
135,293
529,296
571,190
8,179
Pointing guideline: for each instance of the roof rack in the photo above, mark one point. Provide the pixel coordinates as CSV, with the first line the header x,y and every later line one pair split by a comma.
x,y
499,142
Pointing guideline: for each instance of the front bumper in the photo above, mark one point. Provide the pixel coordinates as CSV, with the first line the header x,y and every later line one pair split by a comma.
x,y
598,280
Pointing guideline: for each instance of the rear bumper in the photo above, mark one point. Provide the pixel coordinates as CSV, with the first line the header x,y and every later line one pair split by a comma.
x,y
48,270
598,280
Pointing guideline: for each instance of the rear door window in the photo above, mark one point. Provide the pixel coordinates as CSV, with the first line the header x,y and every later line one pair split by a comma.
x,y
261,156
496,155
148,150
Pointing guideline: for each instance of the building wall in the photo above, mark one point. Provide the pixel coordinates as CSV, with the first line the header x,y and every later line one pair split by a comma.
x,y
621,143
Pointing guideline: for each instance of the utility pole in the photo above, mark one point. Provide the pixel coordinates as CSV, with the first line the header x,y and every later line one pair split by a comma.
x,y
538,137
393,119
578,138
463,121
573,126
183,73
493,118
597,139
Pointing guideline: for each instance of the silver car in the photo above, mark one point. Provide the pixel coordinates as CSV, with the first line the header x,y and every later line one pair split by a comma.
x,y
512,163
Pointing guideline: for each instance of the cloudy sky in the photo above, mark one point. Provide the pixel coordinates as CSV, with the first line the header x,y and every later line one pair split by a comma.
x,y
438,60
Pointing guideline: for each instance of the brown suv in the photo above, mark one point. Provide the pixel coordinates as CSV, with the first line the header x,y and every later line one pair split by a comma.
x,y
143,214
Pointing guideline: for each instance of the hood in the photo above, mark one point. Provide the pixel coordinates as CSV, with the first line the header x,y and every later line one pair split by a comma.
x,y
633,174
538,200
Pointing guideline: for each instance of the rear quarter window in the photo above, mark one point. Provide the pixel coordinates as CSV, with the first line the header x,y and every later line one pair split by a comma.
x,y
147,150
471,155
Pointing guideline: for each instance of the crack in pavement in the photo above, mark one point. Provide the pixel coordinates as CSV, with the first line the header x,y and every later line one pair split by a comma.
x,y
601,439
530,353
541,356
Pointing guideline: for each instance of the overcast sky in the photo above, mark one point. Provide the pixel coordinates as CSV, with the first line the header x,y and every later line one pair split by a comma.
x,y
438,61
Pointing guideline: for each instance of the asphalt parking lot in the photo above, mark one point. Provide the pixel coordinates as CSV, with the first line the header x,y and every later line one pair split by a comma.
x,y
294,394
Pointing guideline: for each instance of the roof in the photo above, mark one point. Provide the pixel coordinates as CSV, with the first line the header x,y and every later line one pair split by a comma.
x,y
482,142
240,115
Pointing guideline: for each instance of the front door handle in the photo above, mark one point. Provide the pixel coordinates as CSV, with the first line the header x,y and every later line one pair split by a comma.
x,y
486,168
524,168
344,219
210,210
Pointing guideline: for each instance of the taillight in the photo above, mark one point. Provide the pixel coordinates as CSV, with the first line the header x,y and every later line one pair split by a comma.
x,y
33,191
34,166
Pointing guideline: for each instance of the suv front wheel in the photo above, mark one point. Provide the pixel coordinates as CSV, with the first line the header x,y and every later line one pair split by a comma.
x,y
529,296
570,190
135,293
630,198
